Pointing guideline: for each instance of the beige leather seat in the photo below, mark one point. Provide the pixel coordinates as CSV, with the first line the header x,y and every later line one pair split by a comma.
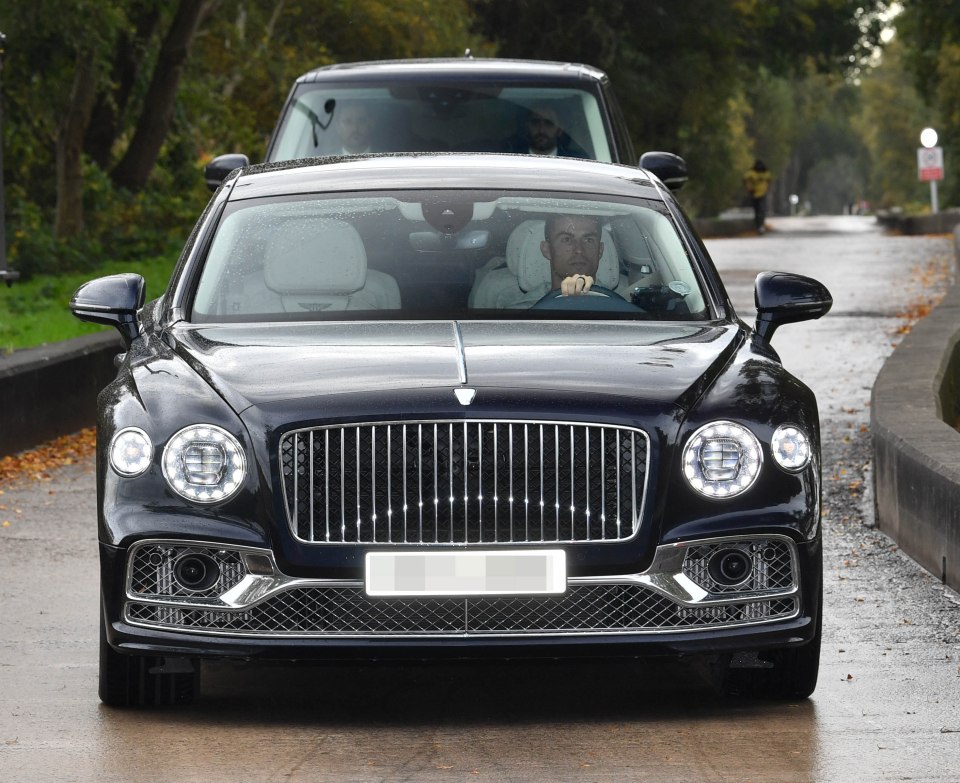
x,y
522,278
320,264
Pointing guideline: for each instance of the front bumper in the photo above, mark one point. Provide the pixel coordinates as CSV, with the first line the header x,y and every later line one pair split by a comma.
x,y
252,609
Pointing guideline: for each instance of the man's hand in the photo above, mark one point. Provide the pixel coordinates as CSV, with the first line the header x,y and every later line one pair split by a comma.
x,y
576,284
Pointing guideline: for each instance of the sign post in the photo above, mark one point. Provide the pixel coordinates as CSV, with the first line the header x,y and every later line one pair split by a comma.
x,y
930,164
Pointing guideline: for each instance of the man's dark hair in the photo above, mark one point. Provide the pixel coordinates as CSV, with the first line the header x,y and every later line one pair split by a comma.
x,y
551,221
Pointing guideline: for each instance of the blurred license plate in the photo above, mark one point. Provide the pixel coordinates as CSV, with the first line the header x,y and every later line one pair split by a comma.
x,y
539,572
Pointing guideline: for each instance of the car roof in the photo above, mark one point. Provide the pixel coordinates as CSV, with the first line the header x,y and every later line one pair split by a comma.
x,y
472,171
460,68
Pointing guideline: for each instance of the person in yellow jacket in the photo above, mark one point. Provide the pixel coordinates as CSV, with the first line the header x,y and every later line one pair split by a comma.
x,y
757,181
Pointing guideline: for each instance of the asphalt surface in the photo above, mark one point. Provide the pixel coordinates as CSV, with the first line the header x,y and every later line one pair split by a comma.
x,y
887,707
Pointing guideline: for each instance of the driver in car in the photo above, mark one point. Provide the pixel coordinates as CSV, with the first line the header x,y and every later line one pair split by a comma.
x,y
573,247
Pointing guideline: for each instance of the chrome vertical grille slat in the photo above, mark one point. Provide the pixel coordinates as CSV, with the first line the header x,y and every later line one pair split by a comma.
x,y
498,476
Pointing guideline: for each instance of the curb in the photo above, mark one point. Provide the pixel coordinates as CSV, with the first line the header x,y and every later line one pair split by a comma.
x,y
52,390
942,223
916,452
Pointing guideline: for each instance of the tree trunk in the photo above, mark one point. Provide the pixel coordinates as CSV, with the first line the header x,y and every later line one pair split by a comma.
x,y
69,216
106,121
134,168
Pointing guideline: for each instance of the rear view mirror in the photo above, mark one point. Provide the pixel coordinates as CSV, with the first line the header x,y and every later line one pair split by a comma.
x,y
670,169
434,241
113,300
217,169
784,298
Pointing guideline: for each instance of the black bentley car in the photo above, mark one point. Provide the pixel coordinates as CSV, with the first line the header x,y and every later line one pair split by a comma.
x,y
453,406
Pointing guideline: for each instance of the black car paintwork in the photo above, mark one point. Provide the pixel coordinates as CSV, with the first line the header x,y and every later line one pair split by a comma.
x,y
258,381
345,383
656,362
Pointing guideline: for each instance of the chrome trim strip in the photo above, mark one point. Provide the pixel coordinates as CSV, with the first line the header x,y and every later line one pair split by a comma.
x,y
461,352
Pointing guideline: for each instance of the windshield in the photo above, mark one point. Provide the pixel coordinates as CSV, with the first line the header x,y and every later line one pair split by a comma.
x,y
417,117
446,254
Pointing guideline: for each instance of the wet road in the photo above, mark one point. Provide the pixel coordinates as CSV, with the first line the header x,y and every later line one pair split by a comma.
x,y
887,707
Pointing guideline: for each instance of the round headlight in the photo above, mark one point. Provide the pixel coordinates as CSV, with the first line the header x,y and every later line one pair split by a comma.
x,y
791,448
131,452
204,464
722,459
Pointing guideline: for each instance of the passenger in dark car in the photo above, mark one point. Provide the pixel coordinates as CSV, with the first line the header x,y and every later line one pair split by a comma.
x,y
355,124
543,134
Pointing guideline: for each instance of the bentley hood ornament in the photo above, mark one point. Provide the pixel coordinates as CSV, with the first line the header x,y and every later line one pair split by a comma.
x,y
465,396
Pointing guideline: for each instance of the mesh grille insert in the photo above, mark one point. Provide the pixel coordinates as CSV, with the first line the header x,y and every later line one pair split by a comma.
x,y
319,612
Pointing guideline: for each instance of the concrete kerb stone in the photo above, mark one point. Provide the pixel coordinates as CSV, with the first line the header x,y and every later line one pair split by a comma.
x,y
52,390
916,447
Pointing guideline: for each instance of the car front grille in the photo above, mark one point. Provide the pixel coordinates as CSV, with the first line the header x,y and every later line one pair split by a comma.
x,y
463,482
349,612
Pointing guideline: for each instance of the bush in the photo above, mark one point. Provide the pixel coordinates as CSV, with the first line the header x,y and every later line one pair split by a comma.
x,y
119,225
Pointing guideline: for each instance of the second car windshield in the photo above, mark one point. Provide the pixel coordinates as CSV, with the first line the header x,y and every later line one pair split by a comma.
x,y
437,118
449,254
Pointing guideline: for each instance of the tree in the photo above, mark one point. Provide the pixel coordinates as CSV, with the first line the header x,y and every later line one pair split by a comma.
x,y
69,213
930,33
892,116
157,115
680,68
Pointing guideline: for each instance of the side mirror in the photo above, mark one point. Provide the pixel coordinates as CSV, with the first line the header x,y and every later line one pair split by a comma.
x,y
113,300
784,298
669,168
217,169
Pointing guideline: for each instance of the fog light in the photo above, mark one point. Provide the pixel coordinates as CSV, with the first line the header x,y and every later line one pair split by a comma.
x,y
730,567
196,572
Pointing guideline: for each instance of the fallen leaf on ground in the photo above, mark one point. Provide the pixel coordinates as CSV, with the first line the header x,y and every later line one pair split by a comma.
x,y
36,463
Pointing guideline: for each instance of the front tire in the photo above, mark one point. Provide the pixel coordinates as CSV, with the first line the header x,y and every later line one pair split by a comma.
x,y
785,673
134,680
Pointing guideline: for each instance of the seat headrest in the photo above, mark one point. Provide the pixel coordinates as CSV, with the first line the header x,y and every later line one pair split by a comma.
x,y
526,260
316,256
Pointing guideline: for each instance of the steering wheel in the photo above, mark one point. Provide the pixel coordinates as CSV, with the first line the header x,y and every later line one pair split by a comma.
x,y
597,298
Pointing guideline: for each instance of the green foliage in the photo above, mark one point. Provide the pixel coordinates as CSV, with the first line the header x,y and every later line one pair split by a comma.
x,y
681,69
243,59
249,53
121,225
893,115
930,34
35,312
717,81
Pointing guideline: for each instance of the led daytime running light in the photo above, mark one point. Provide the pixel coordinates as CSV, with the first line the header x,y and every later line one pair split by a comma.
x,y
791,448
131,452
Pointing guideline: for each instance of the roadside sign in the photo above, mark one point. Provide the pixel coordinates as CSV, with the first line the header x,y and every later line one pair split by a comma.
x,y
930,164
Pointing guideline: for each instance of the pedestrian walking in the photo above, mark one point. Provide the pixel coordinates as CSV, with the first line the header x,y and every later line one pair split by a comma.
x,y
757,181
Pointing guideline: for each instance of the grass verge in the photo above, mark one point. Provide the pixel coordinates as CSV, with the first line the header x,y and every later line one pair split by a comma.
x,y
37,312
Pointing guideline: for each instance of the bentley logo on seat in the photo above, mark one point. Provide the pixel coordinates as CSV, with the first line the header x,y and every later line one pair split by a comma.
x,y
465,396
